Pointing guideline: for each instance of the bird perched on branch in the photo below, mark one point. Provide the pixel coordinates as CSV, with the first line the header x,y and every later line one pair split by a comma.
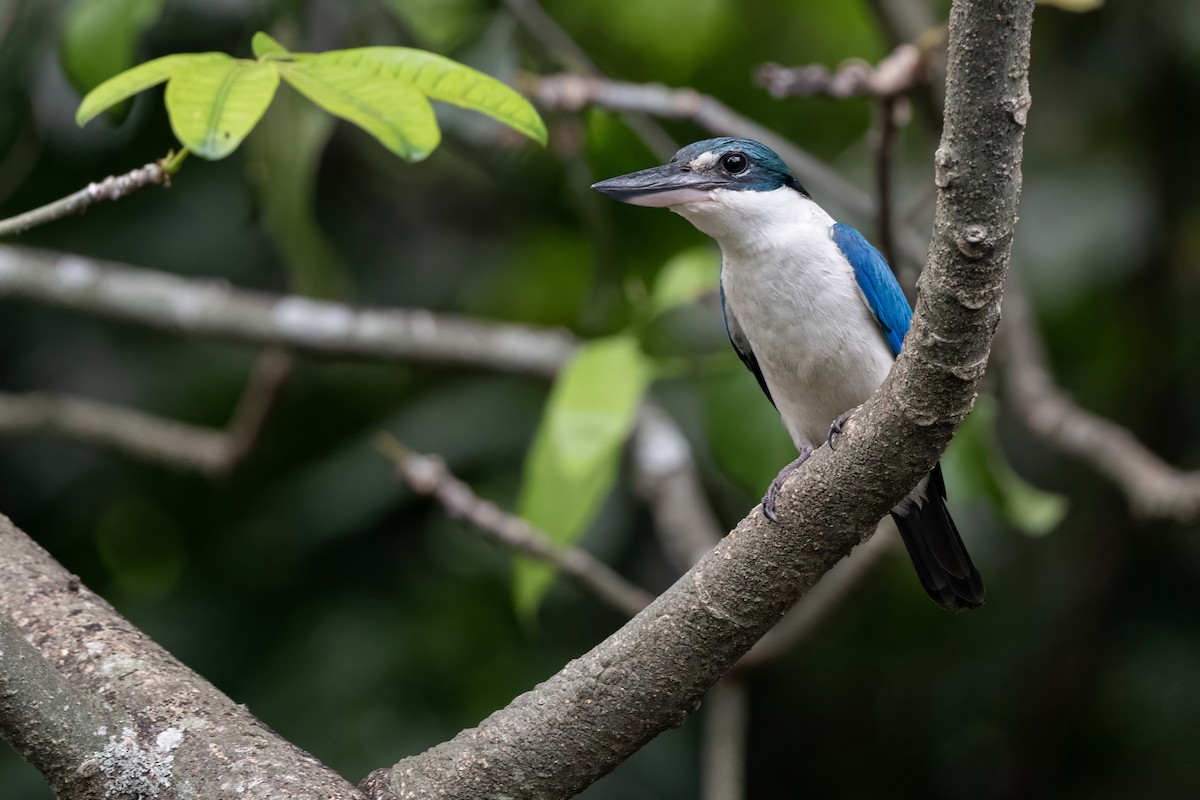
x,y
813,311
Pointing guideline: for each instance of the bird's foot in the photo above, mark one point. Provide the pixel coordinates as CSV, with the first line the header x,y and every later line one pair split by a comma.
x,y
768,501
836,428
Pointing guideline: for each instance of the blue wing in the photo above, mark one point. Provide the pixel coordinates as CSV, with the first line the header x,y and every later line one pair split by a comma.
x,y
878,285
741,345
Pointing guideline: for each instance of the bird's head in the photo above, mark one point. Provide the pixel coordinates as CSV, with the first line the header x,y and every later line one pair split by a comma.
x,y
709,182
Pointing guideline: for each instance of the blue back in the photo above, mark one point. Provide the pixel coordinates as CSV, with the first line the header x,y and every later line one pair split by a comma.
x,y
878,284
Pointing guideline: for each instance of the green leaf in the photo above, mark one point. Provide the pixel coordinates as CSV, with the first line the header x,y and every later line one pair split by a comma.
x,y
975,466
441,79
395,113
99,37
135,80
214,101
263,46
573,462
686,277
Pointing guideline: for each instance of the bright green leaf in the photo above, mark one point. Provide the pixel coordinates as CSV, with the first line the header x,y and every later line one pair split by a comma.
x,y
395,113
99,37
263,45
135,80
573,462
441,79
686,277
1077,6
214,102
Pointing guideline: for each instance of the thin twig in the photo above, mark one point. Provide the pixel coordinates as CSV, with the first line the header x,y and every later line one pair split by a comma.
x,y
888,109
155,439
162,441
899,71
1154,488
428,475
270,372
113,187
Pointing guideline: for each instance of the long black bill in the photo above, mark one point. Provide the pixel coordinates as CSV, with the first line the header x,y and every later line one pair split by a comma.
x,y
667,185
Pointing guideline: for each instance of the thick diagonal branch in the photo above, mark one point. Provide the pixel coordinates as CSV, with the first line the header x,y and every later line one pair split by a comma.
x,y
127,719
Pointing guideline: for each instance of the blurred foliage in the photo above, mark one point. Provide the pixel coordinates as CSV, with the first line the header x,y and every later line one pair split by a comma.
x,y
978,469
100,37
573,461
362,624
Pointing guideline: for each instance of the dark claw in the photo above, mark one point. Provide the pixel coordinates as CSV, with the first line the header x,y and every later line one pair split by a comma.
x,y
768,501
835,430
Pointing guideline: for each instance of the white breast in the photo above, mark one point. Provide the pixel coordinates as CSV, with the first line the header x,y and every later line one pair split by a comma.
x,y
796,298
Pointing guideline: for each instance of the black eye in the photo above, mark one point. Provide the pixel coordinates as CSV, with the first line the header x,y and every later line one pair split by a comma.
x,y
734,163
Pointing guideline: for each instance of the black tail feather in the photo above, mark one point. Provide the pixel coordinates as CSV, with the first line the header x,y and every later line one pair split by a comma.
x,y
937,550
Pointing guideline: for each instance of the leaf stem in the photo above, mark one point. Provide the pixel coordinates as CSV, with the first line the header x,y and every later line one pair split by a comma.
x,y
173,161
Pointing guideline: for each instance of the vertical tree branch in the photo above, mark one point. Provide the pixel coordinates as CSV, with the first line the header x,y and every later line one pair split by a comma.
x,y
888,108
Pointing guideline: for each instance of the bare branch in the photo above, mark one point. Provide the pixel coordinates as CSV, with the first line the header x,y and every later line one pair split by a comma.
x,y
428,475
162,441
213,308
890,108
114,187
1154,488
137,723
902,69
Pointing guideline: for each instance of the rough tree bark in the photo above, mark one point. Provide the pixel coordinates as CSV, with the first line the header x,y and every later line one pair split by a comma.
x,y
104,712
133,721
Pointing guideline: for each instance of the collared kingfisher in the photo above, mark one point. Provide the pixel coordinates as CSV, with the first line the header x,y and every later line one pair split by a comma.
x,y
813,310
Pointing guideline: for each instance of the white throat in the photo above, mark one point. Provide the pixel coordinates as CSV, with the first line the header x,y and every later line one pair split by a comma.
x,y
745,221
